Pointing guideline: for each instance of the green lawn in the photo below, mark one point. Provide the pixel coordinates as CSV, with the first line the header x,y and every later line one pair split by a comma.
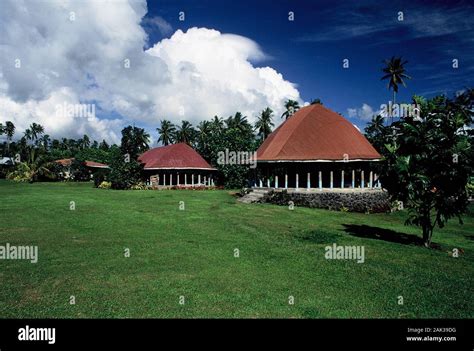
x,y
190,253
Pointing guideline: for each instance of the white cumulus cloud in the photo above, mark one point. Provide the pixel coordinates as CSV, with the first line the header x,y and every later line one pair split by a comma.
x,y
56,52
364,113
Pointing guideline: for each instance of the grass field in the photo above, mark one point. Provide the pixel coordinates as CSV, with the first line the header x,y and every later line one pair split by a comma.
x,y
190,253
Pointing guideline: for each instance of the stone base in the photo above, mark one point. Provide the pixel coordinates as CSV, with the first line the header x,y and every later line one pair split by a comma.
x,y
353,200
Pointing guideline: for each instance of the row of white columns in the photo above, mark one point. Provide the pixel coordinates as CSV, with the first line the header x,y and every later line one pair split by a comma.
x,y
199,183
373,180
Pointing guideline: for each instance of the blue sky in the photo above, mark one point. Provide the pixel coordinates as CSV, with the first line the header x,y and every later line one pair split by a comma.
x,y
226,56
309,51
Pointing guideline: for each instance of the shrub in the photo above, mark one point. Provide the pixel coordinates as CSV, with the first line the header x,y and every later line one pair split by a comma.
x,y
104,185
139,186
100,177
123,175
79,171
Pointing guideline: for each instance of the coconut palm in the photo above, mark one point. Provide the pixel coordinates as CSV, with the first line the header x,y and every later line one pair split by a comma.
x,y
9,129
36,131
45,141
218,123
291,107
28,134
376,132
264,123
238,121
204,129
142,139
166,132
104,145
185,133
86,142
395,72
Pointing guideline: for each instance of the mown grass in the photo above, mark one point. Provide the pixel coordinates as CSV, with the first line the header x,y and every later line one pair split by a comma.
x,y
190,253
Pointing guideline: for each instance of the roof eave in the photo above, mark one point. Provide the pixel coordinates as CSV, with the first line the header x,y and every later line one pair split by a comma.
x,y
321,160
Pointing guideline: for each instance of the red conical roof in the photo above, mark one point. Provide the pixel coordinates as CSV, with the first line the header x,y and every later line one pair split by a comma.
x,y
176,156
315,133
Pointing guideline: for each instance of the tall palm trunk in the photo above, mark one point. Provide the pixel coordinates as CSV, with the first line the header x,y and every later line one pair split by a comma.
x,y
393,104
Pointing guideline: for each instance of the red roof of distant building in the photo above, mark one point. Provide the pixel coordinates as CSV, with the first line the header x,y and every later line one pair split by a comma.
x,y
68,161
315,133
93,164
176,156
65,161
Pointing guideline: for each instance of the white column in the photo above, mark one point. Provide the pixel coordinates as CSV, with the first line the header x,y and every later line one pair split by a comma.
x,y
164,179
286,181
308,181
185,179
268,182
276,181
342,179
212,181
371,179
199,179
192,179
178,178
297,181
320,175
171,179
205,181
260,183
362,180
331,179
353,179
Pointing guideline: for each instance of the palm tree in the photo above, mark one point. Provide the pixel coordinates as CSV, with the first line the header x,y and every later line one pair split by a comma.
x,y
204,129
45,140
395,72
264,123
28,134
2,129
142,139
86,142
103,145
36,131
10,131
33,133
64,145
291,107
185,133
217,123
166,132
238,121
56,144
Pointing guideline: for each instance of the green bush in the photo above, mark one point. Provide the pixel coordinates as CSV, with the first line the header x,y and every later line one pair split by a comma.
x,y
104,185
123,175
100,176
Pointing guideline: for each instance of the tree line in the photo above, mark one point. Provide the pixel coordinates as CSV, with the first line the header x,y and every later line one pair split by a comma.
x,y
35,151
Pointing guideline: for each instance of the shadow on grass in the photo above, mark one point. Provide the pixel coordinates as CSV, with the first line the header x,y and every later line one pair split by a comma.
x,y
368,232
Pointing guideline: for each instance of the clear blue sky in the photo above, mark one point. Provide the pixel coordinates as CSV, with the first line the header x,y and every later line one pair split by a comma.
x,y
309,51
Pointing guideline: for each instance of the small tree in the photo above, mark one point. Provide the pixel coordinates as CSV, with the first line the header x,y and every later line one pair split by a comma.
x,y
429,160
124,173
